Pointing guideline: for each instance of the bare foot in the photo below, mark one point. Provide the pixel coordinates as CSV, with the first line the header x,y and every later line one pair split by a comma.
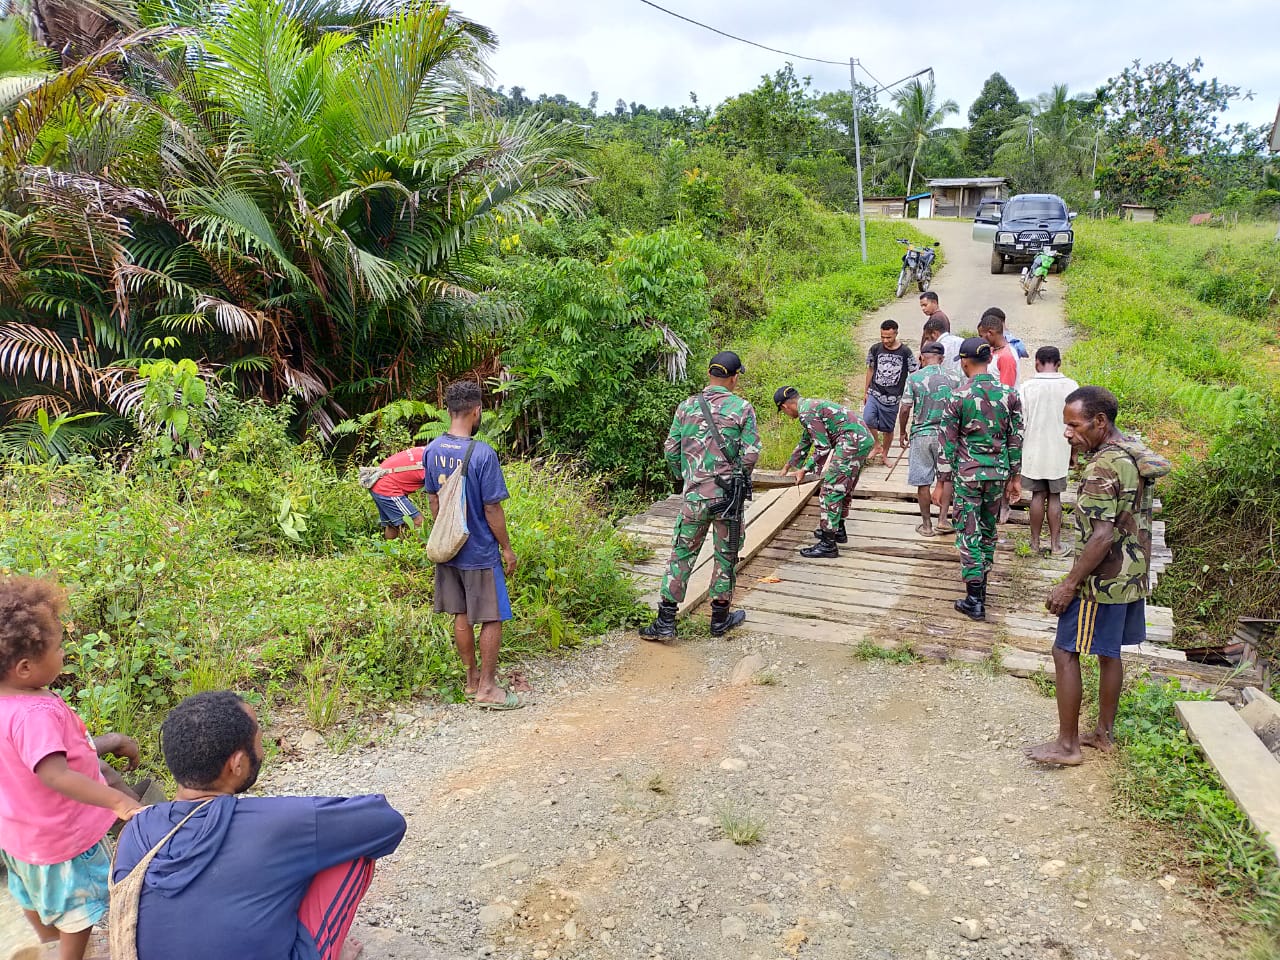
x,y
1054,753
351,950
473,681
1035,546
1098,741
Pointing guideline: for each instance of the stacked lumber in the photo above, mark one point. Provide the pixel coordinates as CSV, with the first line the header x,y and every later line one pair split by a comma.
x,y
1232,744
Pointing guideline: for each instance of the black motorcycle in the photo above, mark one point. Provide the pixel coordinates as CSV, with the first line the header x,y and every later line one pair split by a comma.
x,y
917,264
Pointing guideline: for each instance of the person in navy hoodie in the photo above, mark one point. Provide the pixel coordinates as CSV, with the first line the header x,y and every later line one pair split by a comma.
x,y
255,878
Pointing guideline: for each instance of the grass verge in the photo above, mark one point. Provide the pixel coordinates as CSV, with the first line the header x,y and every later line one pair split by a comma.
x,y
1162,779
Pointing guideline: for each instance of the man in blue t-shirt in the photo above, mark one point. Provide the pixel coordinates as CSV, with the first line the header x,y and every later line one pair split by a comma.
x,y
473,586
255,878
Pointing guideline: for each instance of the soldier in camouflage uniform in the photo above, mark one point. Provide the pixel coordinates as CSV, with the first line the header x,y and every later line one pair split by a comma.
x,y
694,458
837,435
920,428
982,450
1101,605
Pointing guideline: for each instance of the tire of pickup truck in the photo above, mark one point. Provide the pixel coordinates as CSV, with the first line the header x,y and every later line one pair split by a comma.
x,y
997,262
1062,264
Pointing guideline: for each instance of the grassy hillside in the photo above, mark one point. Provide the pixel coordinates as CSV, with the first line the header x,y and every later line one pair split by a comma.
x,y
1182,324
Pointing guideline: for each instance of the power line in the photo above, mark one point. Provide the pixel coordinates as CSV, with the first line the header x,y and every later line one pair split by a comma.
x,y
704,26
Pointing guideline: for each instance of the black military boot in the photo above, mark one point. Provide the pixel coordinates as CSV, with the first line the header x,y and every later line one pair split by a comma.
x,y
984,590
663,626
841,535
824,549
973,606
723,619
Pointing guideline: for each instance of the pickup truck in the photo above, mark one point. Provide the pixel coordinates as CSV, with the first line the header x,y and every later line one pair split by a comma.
x,y
1029,222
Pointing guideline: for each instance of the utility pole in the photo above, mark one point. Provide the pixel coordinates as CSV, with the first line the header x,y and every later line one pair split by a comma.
x,y
857,155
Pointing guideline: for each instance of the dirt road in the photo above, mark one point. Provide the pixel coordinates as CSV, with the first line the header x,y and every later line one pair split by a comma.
x,y
966,287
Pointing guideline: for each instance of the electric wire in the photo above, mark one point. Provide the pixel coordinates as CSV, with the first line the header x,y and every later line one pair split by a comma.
x,y
705,26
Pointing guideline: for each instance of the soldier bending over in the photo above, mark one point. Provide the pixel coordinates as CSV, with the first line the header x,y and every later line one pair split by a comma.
x,y
829,429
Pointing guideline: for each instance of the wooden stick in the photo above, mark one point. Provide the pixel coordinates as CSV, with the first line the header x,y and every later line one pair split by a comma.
x,y
901,454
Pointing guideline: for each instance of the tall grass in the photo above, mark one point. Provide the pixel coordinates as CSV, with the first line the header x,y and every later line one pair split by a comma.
x,y
1182,324
181,579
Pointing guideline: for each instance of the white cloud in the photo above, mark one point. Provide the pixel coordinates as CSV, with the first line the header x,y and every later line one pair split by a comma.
x,y
625,49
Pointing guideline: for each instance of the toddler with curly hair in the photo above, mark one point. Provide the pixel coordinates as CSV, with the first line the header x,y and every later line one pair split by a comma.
x,y
55,804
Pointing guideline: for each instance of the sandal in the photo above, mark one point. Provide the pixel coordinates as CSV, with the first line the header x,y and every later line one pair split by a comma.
x,y
513,702
924,531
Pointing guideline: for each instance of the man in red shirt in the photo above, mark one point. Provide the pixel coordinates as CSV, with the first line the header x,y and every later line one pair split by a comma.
x,y
391,492
1005,358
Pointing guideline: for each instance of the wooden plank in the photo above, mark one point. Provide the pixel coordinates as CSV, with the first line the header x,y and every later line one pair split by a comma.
x,y
1248,771
783,505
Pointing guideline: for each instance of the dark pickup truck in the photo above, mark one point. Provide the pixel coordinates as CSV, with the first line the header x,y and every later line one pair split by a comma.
x,y
1029,222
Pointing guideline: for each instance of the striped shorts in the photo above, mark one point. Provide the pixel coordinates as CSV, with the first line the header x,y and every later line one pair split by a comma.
x,y
1101,629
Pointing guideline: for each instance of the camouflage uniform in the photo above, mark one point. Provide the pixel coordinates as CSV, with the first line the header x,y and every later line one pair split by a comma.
x,y
1113,475
982,444
926,396
693,457
832,429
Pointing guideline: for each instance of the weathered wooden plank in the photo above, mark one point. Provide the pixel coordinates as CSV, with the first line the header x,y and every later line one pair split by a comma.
x,y
1248,771
782,506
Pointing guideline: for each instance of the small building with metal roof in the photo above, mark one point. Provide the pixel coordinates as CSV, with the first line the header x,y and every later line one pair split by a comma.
x,y
960,196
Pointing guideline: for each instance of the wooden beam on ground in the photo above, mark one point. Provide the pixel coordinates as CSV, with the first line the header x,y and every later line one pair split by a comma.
x,y
782,507
1248,771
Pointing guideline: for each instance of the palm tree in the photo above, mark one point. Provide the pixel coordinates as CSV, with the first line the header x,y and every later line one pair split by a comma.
x,y
299,209
918,120
1052,142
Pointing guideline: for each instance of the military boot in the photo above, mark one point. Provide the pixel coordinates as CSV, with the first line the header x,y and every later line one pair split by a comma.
x,y
841,535
723,619
824,549
973,606
663,626
983,585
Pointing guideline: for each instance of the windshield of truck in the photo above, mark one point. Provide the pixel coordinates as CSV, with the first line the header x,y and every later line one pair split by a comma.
x,y
1035,208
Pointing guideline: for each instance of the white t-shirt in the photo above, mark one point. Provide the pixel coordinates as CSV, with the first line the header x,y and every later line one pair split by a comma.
x,y
951,344
1046,455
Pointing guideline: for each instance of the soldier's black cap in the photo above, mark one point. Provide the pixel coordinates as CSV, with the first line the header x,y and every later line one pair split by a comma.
x,y
725,364
783,394
933,346
975,348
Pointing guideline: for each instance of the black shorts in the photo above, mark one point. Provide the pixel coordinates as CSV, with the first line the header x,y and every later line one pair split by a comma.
x,y
1046,486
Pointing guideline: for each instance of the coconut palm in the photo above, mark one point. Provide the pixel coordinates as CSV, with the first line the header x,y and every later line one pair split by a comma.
x,y
307,220
1052,142
918,120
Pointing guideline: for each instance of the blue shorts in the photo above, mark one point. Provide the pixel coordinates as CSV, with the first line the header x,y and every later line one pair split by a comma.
x,y
879,415
395,511
70,896
1101,628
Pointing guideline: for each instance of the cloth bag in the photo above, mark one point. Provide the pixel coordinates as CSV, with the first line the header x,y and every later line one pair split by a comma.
x,y
449,532
125,896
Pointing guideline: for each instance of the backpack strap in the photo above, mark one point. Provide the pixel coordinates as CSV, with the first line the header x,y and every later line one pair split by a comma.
x,y
126,895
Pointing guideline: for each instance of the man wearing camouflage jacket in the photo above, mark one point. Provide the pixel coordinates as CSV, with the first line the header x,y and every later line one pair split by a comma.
x,y
1101,604
982,450
838,436
705,470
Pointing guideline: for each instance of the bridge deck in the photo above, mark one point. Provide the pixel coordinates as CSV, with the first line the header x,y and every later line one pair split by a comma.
x,y
891,586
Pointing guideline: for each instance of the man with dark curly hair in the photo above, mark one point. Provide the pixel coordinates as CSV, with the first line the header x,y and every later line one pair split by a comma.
x,y
472,585
55,804
248,876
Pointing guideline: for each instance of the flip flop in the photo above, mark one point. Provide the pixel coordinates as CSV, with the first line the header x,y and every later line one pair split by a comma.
x,y
924,533
944,528
513,702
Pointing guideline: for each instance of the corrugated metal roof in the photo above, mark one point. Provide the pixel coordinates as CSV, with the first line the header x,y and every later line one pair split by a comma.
x,y
969,182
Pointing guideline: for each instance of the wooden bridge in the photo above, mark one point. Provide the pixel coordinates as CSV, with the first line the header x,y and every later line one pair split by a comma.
x,y
890,586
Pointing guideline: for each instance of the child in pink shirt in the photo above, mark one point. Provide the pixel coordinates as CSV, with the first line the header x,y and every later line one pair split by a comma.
x,y
55,804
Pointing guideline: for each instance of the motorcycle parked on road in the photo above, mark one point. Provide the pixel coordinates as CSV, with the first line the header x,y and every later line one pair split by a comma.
x,y
917,265
1033,275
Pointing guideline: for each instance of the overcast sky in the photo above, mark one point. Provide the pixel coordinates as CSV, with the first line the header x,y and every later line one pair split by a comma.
x,y
625,49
